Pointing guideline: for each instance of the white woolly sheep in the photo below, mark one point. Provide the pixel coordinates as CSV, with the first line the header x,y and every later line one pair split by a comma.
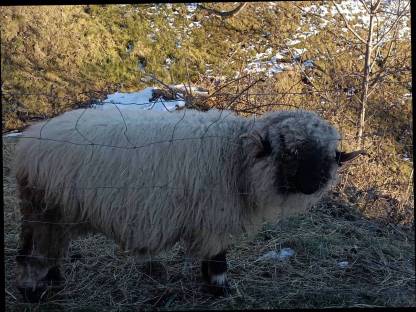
x,y
151,179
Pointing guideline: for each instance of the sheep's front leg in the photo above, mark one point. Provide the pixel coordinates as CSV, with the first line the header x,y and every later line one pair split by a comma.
x,y
214,271
44,242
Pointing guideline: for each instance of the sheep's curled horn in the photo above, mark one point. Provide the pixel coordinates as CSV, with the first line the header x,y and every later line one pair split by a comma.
x,y
342,157
263,144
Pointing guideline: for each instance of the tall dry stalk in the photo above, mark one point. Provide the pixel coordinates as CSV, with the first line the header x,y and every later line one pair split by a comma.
x,y
367,70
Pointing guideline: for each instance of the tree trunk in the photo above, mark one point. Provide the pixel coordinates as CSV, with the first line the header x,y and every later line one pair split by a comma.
x,y
366,78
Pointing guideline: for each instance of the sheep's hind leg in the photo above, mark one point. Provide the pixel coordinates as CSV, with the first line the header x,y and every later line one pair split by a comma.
x,y
214,273
44,241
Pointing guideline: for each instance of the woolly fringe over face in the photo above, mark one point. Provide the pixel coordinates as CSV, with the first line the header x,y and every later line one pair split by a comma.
x,y
149,179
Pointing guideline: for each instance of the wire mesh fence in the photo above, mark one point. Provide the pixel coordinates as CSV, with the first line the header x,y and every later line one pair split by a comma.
x,y
166,283
343,228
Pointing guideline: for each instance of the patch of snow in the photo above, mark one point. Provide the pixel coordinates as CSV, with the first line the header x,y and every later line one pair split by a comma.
x,y
137,100
168,61
353,11
282,255
277,68
152,37
263,55
278,56
350,91
349,9
308,63
356,13
185,88
269,50
195,24
191,7
251,47
298,52
310,8
262,63
291,42
343,264
12,134
405,157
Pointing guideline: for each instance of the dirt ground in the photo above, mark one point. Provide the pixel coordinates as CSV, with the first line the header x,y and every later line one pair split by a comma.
x,y
341,259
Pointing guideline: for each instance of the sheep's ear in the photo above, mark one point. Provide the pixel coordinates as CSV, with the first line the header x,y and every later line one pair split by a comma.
x,y
263,146
342,157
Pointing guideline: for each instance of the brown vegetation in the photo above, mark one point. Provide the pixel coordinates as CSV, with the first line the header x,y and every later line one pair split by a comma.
x,y
56,58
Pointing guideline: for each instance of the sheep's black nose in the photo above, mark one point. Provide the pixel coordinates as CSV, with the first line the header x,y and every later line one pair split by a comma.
x,y
306,188
309,180
313,170
30,295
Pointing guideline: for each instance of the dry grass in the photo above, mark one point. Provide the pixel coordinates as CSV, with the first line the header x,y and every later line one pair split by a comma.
x,y
381,270
358,222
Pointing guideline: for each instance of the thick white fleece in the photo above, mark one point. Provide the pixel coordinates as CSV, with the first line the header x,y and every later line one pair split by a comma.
x,y
148,179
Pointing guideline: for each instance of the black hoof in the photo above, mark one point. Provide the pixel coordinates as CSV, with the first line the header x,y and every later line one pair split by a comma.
x,y
33,296
219,291
40,293
76,257
45,289
54,277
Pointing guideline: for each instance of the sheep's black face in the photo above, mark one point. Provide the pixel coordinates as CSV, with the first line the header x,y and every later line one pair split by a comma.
x,y
313,171
305,172
305,169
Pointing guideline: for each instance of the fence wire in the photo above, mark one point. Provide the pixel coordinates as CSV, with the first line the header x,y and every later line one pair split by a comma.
x,y
189,287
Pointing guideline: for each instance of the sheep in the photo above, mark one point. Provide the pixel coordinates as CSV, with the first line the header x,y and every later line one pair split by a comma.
x,y
150,179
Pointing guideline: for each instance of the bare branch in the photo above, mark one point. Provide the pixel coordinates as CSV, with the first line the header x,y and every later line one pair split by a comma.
x,y
375,58
375,7
383,73
399,17
222,87
348,25
224,14
367,72
172,91
322,18
310,13
365,6
261,79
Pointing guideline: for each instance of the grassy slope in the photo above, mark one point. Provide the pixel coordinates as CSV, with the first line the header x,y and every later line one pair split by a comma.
x,y
65,51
